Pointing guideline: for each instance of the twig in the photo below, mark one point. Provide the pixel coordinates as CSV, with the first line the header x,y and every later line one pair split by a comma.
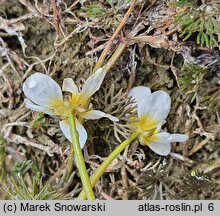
x,y
106,196
50,150
119,28
201,144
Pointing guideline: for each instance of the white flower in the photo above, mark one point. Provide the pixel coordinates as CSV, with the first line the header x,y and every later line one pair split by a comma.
x,y
152,110
45,95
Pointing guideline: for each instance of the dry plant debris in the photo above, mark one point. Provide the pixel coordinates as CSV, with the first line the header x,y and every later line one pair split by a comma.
x,y
65,39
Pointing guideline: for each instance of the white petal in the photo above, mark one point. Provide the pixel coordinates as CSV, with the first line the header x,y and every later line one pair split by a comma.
x,y
96,114
157,106
145,106
92,84
69,86
82,133
64,126
177,137
163,145
30,105
41,89
172,137
139,93
161,104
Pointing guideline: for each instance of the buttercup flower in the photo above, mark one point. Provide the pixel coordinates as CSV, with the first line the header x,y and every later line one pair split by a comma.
x,y
152,110
45,95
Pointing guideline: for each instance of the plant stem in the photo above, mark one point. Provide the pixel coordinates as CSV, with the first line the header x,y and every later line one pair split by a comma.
x,y
121,25
80,163
118,52
99,172
115,56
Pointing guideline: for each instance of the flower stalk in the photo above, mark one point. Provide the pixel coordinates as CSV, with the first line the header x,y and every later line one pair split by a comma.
x,y
116,55
80,163
108,46
99,172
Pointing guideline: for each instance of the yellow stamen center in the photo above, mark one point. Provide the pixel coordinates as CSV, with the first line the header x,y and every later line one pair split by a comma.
x,y
147,125
72,103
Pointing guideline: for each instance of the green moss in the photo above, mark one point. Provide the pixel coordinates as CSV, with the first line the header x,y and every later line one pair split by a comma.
x,y
200,24
190,75
20,190
94,11
40,121
21,169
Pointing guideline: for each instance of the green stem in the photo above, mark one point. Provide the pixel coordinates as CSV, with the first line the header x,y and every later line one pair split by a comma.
x,y
111,62
80,163
99,172
110,42
116,55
